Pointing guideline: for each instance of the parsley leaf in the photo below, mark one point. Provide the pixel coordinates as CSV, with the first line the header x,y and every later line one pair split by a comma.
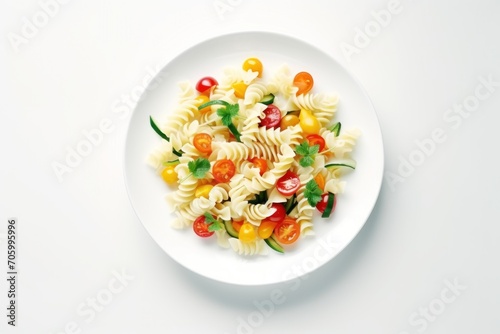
x,y
307,152
226,114
199,167
312,193
213,224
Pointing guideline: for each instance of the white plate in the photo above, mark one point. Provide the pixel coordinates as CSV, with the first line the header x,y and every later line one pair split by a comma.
x,y
203,256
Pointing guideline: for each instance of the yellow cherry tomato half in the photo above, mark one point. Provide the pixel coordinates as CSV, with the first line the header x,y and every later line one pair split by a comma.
x,y
203,191
239,89
288,120
309,123
304,81
201,99
253,64
169,174
247,233
266,228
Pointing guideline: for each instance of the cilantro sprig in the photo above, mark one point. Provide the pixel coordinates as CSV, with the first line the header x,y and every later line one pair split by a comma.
x,y
307,152
161,134
213,224
198,168
312,193
226,113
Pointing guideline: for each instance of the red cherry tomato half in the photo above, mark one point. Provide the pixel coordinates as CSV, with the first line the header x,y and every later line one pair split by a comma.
x,y
205,84
201,228
272,117
288,184
304,81
279,214
316,140
203,142
223,170
323,203
260,163
287,232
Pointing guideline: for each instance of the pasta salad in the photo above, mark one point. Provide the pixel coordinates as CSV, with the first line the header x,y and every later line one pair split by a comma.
x,y
253,157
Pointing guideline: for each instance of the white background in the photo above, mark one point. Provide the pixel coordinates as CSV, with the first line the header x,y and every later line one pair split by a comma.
x,y
435,226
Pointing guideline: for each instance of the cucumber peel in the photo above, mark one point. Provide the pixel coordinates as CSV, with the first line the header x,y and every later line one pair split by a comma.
x,y
274,245
230,229
344,163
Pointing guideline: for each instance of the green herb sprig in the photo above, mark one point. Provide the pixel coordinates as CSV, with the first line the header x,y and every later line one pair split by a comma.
x,y
307,152
226,113
312,193
213,224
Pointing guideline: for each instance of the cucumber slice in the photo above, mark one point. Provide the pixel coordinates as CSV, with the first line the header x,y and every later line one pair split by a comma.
x,y
290,204
170,163
274,245
343,163
268,99
336,128
230,229
329,205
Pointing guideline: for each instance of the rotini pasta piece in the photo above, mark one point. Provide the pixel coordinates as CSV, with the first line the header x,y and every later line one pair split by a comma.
x,y
282,82
304,209
323,106
184,135
236,151
186,189
255,213
219,193
222,238
285,161
254,93
187,91
258,247
160,155
222,210
278,137
341,146
250,128
183,114
233,75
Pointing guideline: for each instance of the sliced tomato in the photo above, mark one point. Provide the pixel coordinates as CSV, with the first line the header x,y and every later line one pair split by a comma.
x,y
279,214
201,228
323,203
260,163
304,81
288,184
223,170
203,142
272,117
287,232
316,140
205,83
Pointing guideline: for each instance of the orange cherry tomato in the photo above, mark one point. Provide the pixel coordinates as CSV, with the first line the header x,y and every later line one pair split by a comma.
x,y
223,170
320,180
260,163
287,232
289,120
237,224
316,140
304,81
266,228
203,142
